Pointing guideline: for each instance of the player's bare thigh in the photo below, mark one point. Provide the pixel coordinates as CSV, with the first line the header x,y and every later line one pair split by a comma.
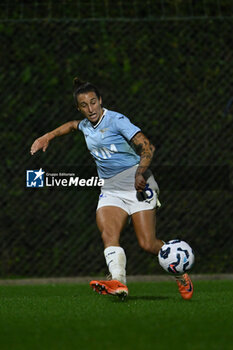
x,y
144,223
111,221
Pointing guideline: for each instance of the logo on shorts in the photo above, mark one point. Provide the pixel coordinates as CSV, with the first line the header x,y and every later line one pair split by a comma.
x,y
35,178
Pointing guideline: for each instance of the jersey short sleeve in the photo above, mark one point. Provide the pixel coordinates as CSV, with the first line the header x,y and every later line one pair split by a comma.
x,y
125,127
80,125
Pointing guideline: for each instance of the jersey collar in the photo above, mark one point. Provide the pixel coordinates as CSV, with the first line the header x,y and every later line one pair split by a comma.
x,y
95,126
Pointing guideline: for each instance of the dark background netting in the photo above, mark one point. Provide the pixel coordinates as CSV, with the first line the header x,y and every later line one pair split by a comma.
x,y
172,76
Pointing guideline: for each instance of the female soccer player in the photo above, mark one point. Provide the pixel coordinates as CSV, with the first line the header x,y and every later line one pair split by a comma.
x,y
123,155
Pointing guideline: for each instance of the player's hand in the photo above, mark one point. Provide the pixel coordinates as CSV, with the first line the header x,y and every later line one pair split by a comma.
x,y
140,182
40,143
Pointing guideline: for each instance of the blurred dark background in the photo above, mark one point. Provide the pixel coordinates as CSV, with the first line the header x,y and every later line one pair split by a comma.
x,y
167,65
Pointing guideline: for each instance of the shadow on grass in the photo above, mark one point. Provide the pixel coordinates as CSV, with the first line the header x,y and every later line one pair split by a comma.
x,y
143,297
147,297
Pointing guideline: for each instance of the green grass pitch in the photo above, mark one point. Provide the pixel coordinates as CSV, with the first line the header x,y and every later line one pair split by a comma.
x,y
63,317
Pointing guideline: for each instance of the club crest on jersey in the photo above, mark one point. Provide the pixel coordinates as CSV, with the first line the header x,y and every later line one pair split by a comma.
x,y
102,131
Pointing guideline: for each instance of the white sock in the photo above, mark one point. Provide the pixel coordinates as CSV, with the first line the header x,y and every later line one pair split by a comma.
x,y
116,262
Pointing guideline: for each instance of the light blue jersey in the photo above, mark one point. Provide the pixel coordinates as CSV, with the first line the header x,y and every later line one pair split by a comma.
x,y
107,142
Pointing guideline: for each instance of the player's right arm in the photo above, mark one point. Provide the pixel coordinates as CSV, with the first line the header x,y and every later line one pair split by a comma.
x,y
43,141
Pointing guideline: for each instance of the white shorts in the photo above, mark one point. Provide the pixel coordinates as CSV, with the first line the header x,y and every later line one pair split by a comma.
x,y
119,191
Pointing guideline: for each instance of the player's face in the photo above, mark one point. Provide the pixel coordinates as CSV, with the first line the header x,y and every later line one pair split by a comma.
x,y
90,106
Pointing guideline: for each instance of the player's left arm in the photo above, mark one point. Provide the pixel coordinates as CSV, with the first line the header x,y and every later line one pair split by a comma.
x,y
145,150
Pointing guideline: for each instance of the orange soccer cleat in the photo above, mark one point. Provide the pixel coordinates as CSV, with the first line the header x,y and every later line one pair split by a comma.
x,y
112,287
185,286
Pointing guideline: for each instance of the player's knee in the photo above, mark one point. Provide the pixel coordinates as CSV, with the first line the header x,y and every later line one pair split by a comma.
x,y
109,238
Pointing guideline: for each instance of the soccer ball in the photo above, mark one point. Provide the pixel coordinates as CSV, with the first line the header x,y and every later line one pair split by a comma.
x,y
176,257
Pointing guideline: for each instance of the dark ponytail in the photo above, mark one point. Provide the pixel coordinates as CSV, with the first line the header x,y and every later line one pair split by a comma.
x,y
82,87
